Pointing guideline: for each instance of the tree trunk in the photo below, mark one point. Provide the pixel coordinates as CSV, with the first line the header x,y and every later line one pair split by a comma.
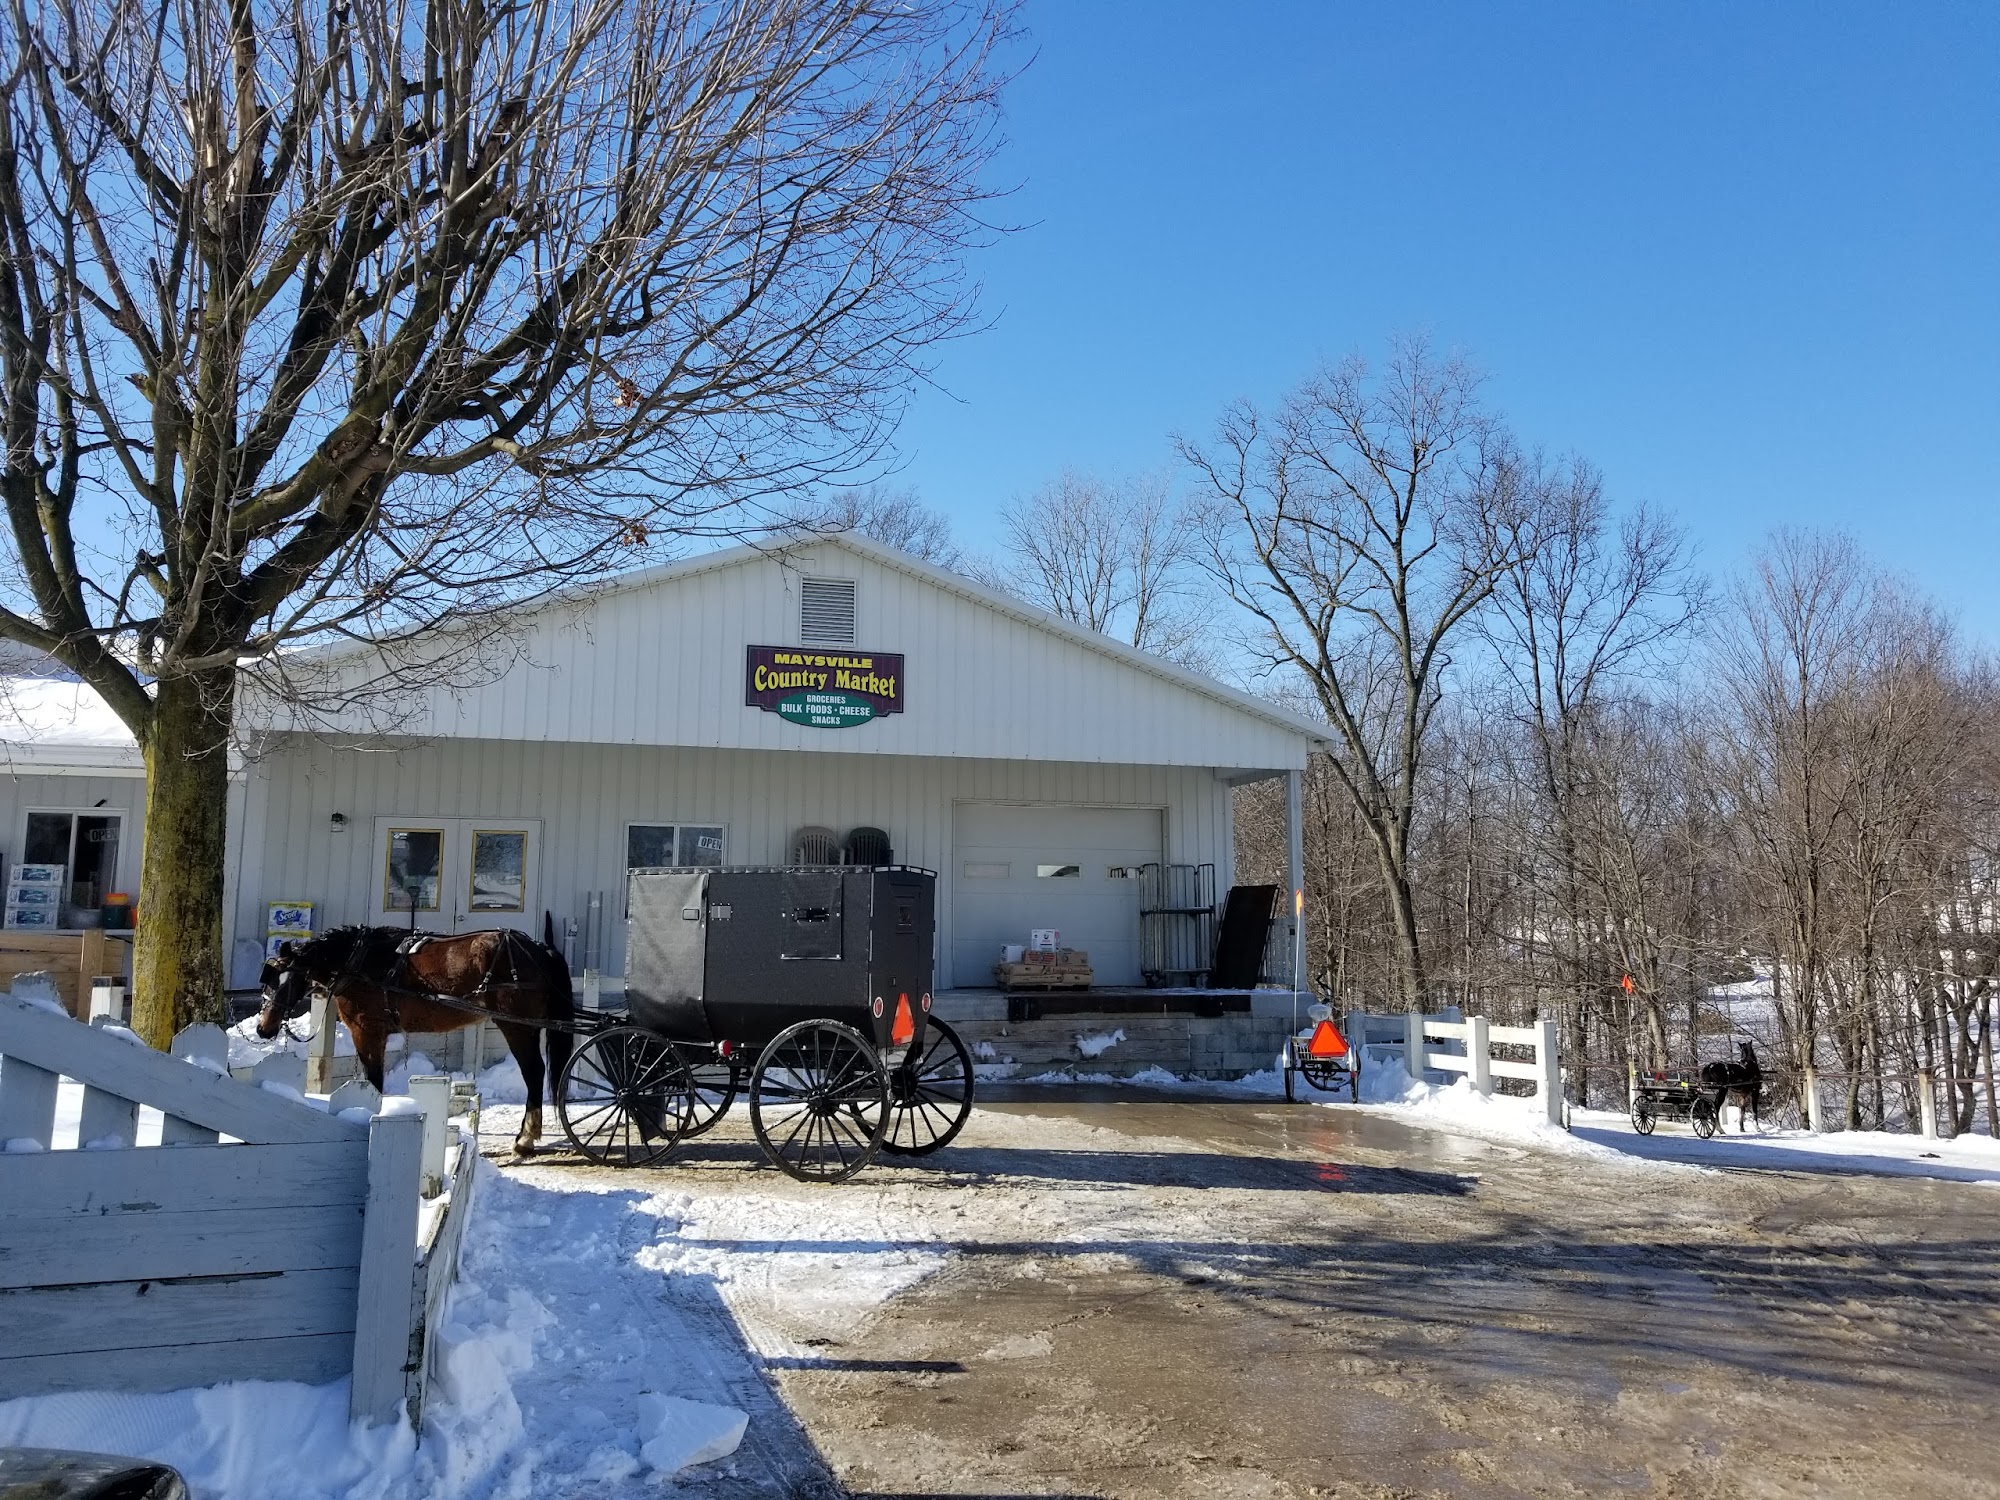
x,y
177,962
1986,1047
1409,944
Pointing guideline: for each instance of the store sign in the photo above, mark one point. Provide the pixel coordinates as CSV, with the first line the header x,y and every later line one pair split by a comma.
x,y
823,689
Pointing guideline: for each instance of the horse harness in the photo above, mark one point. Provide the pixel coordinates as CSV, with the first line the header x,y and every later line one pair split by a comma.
x,y
510,944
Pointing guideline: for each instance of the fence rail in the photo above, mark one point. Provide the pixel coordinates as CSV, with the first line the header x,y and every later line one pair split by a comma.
x,y
1470,1042
261,1239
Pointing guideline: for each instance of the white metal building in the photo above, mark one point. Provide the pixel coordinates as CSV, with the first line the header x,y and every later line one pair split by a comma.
x,y
1033,764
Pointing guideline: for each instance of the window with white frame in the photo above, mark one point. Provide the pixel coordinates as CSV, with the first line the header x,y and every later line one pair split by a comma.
x,y
661,846
83,845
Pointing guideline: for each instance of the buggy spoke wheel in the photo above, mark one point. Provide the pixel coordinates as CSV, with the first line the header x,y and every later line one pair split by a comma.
x,y
1642,1117
625,1097
1322,1073
930,1094
819,1101
715,1084
1703,1117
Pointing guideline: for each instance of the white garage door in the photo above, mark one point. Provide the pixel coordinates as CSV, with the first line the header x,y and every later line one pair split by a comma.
x,y
1075,869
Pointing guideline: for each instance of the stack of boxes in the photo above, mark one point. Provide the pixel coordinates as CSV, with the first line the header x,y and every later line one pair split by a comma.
x,y
34,897
1044,964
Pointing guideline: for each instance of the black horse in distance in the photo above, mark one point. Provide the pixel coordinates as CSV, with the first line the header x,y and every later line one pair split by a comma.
x,y
1743,1082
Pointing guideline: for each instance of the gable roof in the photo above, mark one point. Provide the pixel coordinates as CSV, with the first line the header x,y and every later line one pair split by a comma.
x,y
50,724
972,590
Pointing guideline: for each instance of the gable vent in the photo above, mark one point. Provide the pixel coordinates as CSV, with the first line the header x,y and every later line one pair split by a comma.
x,y
826,612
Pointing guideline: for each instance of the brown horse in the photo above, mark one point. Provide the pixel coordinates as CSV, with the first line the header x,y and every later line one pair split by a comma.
x,y
386,980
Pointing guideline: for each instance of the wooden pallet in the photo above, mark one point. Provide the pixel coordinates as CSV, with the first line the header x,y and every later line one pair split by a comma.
x,y
1068,969
1044,980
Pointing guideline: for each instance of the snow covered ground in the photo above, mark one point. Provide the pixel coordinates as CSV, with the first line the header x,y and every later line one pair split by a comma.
x,y
593,1304
1458,1107
585,1317
1969,1158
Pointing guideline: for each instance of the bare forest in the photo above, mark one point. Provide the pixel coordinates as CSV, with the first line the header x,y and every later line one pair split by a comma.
x,y
1567,774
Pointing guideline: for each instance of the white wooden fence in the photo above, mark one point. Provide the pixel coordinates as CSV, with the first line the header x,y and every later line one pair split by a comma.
x,y
263,1239
1467,1048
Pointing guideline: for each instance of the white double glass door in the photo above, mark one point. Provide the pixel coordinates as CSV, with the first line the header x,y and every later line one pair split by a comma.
x,y
457,874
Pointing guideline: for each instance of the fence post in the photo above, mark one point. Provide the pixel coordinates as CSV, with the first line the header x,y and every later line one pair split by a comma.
x,y
1413,1045
1926,1104
1548,1063
319,1051
432,1091
1479,1051
1812,1099
388,1259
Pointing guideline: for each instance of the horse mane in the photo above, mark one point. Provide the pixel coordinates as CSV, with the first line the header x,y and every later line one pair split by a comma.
x,y
368,952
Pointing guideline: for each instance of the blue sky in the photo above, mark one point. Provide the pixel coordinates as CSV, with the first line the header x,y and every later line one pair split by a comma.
x,y
1745,257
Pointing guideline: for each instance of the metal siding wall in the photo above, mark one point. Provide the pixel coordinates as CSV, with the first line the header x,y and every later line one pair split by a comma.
x,y
585,794
661,664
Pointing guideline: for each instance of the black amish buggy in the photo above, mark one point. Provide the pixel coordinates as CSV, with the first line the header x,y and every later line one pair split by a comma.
x,y
807,986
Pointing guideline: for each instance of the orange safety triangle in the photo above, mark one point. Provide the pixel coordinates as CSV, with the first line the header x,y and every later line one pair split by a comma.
x,y
1326,1041
904,1026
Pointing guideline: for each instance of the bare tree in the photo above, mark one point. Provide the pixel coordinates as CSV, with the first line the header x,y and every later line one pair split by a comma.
x,y
1361,526
1113,557
898,518
1792,654
1573,621
329,320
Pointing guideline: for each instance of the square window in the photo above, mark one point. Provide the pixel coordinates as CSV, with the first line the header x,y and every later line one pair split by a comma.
x,y
700,846
499,870
649,846
416,856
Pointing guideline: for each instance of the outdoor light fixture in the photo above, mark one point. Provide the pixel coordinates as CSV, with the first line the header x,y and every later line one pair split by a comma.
x,y
339,822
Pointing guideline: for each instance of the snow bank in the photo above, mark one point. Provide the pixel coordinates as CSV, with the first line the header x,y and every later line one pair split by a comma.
x,y
416,1065
1968,1158
502,1084
1461,1107
542,1386
242,1441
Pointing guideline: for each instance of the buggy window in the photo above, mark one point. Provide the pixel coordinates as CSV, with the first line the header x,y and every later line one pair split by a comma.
x,y
811,916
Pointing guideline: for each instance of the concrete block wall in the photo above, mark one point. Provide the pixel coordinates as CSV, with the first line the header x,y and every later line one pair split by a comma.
x,y
1190,1046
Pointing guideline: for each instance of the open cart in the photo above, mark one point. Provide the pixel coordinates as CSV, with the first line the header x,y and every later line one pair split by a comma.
x,y
1321,1057
1675,1098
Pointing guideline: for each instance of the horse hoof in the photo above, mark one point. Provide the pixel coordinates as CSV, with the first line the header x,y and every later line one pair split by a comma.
x,y
524,1148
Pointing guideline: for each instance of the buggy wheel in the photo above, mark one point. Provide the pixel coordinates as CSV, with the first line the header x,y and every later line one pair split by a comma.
x,y
930,1093
819,1101
1642,1116
715,1084
1702,1115
1323,1073
624,1097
